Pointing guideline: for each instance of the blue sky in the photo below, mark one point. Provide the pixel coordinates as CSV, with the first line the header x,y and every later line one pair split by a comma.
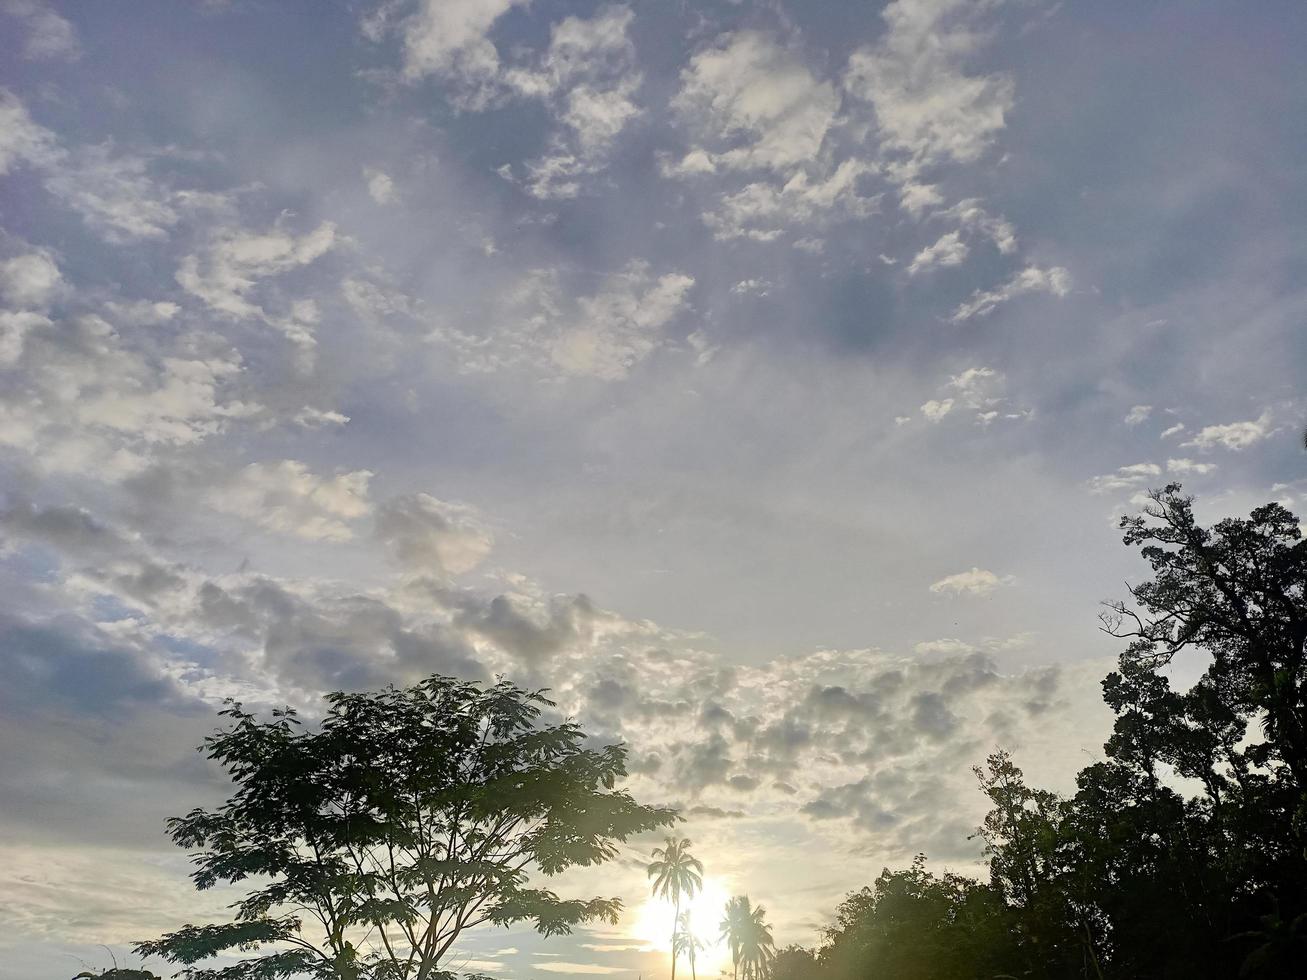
x,y
764,378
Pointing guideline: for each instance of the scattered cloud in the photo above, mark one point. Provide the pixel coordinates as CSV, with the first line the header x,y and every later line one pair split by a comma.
x,y
1138,415
288,497
1032,279
1234,435
1185,467
30,280
433,536
977,582
48,36
928,107
935,409
1126,477
948,250
235,261
380,187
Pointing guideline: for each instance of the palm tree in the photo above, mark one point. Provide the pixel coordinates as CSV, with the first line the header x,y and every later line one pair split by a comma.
x,y
676,872
748,936
686,943
758,949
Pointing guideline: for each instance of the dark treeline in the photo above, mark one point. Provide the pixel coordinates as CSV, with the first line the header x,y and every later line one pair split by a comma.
x,y
1182,855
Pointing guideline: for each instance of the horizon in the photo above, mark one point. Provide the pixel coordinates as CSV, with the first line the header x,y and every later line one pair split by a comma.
x,y
767,380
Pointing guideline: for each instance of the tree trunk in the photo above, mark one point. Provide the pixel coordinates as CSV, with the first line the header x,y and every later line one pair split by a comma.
x,y
676,921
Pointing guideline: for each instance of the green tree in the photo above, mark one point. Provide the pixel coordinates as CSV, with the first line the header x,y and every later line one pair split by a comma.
x,y
676,873
757,948
747,935
794,963
405,818
915,925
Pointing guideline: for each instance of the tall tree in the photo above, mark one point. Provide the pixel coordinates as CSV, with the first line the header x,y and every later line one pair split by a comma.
x,y
687,944
405,818
747,935
676,873
1237,592
757,948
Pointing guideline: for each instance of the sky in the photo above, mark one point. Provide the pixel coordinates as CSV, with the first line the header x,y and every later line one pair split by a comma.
x,y
766,379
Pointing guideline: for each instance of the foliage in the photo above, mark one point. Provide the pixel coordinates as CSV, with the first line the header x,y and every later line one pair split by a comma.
x,y
676,873
747,935
405,818
1181,855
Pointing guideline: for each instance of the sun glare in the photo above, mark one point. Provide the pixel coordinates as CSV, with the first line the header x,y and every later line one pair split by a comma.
x,y
653,925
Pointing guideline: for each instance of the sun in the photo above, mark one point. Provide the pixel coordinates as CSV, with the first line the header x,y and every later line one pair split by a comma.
x,y
653,925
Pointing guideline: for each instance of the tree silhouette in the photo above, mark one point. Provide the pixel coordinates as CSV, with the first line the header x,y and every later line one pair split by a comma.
x,y
1167,857
407,817
747,935
686,943
676,873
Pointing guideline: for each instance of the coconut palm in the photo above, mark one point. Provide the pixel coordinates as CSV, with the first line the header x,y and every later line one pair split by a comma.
x,y
686,943
758,949
677,873
746,933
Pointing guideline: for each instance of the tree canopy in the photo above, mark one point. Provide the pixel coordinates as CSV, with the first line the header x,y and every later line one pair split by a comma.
x,y
1180,855
374,840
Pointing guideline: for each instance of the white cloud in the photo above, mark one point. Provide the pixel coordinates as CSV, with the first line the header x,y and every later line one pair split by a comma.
x,y
318,418
1235,435
762,211
1126,477
448,37
114,194
753,287
915,197
1184,467
1032,279
755,101
977,582
948,250
430,535
538,327
236,260
49,36
1138,415
31,280
142,312
620,326
935,409
21,139
979,387
14,328
588,79
927,106
1172,431
380,187
289,498
750,106
84,402
945,646
971,215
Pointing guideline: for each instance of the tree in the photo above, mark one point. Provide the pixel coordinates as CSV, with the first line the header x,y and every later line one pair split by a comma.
x,y
915,925
686,943
676,873
757,947
407,817
747,935
1237,592
794,963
